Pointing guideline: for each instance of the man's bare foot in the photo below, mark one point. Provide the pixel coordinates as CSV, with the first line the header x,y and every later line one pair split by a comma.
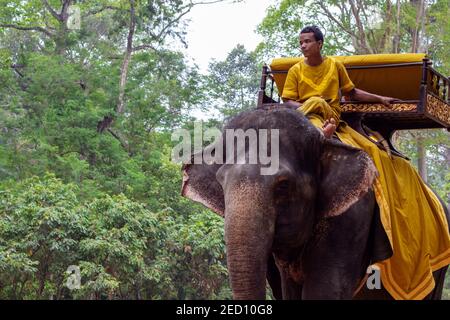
x,y
328,128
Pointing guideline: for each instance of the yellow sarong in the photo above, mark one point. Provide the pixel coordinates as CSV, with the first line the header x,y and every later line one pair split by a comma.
x,y
411,214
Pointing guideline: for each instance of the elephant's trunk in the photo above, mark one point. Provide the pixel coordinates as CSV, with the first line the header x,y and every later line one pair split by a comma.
x,y
248,235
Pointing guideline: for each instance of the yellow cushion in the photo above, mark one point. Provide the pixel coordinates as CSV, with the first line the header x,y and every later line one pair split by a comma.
x,y
399,82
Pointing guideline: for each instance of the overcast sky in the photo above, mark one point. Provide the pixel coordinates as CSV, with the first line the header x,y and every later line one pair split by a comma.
x,y
216,29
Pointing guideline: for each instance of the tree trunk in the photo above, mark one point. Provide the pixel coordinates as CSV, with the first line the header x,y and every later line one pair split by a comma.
x,y
387,34
61,36
108,120
423,47
41,288
396,44
126,60
415,45
363,43
421,157
137,291
416,39
22,286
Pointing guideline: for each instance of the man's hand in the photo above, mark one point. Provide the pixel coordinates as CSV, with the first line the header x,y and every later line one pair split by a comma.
x,y
387,101
364,96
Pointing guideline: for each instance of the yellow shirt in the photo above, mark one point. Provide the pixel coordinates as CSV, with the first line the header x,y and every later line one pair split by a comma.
x,y
325,80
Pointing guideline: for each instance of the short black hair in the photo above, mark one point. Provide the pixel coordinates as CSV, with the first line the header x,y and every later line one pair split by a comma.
x,y
318,35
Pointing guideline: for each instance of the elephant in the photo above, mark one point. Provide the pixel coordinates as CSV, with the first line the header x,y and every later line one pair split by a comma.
x,y
311,229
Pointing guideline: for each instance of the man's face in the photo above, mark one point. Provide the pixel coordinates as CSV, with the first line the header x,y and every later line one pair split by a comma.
x,y
308,44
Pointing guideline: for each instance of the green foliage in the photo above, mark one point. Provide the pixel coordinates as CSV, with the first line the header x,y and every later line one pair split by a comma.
x,y
200,266
284,21
40,230
438,29
446,289
123,250
437,147
233,84
368,27
108,202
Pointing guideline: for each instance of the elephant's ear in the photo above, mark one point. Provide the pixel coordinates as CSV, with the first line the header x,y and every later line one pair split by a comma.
x,y
200,184
347,174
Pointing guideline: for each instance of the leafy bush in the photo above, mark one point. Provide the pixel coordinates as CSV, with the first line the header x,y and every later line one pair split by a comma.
x,y
123,250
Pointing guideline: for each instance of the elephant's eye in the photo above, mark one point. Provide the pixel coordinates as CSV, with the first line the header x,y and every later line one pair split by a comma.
x,y
282,191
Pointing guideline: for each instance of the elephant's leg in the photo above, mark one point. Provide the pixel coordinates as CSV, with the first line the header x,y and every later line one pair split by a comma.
x,y
439,275
291,289
439,279
337,260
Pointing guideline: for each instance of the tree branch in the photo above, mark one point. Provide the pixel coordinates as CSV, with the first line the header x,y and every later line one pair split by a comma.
x,y
114,57
64,16
161,33
387,34
51,10
40,29
416,35
96,11
122,143
362,33
331,16
144,46
188,8
361,7
127,58
207,2
396,43
341,48
16,67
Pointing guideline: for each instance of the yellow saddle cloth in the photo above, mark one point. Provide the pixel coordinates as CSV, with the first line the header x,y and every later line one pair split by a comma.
x,y
411,214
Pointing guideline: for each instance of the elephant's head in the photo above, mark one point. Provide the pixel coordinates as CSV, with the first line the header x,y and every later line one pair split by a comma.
x,y
316,178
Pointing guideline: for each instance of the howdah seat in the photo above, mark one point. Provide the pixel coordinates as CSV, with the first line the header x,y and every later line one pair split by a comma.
x,y
423,92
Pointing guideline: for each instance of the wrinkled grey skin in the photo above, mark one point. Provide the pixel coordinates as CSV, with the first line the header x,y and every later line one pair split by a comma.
x,y
308,228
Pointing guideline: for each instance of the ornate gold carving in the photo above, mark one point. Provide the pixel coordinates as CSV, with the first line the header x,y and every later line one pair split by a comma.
x,y
438,85
435,84
396,107
438,109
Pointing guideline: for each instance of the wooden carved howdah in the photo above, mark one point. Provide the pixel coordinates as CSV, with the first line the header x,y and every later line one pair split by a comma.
x,y
422,91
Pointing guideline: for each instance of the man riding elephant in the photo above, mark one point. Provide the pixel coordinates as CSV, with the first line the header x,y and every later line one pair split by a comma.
x,y
329,209
411,214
